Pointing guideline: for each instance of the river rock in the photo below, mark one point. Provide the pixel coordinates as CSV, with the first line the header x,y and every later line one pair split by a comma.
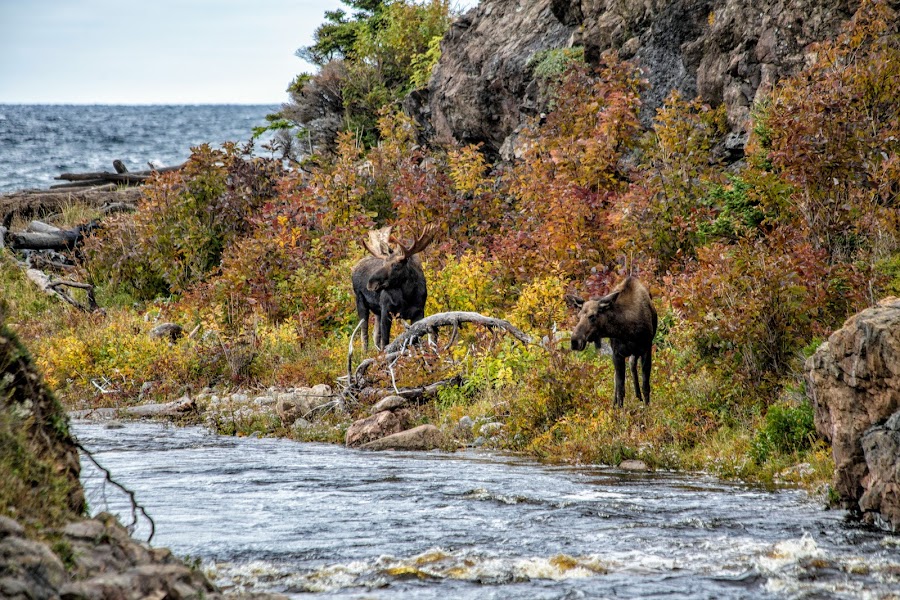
x,y
633,465
388,403
464,429
377,426
854,385
423,437
299,403
177,408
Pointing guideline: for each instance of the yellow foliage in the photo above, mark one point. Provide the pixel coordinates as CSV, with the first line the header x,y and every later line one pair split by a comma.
x,y
464,284
541,306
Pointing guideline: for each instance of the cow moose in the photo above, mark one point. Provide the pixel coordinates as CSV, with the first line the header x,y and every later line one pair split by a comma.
x,y
627,317
390,283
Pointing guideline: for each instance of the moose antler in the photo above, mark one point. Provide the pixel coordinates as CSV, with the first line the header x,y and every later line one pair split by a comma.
x,y
421,242
379,244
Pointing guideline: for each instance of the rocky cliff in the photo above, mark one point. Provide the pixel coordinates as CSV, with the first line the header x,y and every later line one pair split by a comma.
x,y
854,384
727,51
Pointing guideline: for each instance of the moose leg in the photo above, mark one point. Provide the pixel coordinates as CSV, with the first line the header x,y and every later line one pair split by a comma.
x,y
634,376
646,362
383,334
363,313
619,364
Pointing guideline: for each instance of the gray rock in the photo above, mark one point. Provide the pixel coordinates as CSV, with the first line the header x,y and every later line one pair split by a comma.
x,y
423,437
633,465
169,331
183,406
10,527
490,429
302,402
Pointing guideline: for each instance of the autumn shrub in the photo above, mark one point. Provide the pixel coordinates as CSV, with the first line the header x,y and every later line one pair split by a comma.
x,y
540,308
188,217
465,283
755,304
677,194
570,176
834,133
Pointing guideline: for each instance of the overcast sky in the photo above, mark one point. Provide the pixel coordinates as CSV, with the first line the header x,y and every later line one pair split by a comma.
x,y
154,51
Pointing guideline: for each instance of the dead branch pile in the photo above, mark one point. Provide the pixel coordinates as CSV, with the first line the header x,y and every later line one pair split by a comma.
x,y
359,385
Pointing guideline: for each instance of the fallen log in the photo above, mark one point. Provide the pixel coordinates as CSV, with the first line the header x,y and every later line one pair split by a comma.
x,y
117,176
41,227
396,349
32,203
453,319
87,183
128,178
61,239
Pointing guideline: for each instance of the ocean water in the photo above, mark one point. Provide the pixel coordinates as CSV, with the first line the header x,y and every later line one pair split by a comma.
x,y
40,141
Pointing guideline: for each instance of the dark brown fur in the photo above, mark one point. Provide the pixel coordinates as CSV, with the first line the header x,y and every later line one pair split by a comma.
x,y
390,283
627,317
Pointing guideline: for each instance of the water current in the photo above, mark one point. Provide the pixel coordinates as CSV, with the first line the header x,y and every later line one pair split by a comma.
x,y
301,519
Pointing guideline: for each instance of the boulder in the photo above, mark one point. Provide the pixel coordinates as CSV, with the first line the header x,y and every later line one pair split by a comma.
x,y
300,402
177,408
854,386
423,437
167,331
377,426
633,465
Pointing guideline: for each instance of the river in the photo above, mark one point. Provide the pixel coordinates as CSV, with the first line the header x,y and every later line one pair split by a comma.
x,y
301,519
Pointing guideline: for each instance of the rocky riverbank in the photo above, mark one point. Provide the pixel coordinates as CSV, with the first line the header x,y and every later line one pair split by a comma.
x,y
48,549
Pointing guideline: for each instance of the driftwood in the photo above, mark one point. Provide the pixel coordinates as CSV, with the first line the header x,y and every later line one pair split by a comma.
x,y
117,177
357,381
55,288
47,237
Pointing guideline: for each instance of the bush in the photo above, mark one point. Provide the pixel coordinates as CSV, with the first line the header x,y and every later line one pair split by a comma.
x,y
786,430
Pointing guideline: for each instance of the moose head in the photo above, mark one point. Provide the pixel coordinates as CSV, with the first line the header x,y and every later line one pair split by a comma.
x,y
394,256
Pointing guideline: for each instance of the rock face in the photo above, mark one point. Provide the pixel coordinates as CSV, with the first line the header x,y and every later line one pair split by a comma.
x,y
881,446
482,86
854,384
727,51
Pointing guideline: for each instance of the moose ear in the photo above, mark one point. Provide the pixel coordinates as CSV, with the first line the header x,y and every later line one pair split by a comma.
x,y
574,301
606,302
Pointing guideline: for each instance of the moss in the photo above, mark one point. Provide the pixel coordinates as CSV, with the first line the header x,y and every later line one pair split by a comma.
x,y
37,454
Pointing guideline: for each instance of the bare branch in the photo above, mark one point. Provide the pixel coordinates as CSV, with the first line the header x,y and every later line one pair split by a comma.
x,y
135,506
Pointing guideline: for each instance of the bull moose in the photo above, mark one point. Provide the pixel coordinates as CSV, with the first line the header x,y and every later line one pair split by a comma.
x,y
627,317
390,283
